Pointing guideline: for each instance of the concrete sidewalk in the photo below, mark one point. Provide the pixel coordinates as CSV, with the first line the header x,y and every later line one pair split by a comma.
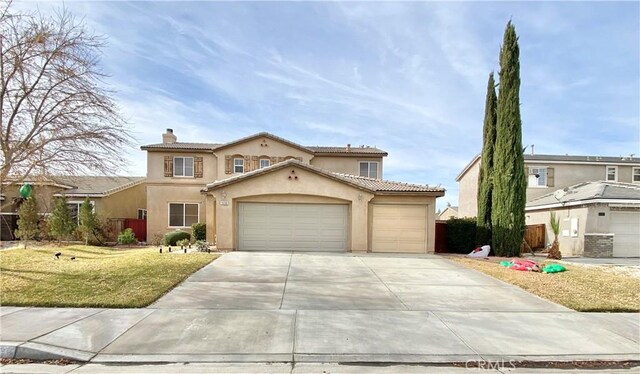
x,y
291,368
270,307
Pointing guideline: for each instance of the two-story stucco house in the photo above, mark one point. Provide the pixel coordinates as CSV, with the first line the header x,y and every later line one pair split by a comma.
x,y
264,192
597,200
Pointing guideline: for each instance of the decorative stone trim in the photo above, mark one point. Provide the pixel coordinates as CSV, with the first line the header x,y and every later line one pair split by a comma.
x,y
598,245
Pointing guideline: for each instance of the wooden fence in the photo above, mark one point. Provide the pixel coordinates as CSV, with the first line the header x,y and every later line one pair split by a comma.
x,y
535,235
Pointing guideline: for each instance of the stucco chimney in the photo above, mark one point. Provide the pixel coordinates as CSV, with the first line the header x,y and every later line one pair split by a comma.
x,y
348,147
168,137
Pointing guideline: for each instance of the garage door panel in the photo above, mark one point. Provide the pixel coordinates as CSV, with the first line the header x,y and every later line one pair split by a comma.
x,y
292,227
626,229
399,228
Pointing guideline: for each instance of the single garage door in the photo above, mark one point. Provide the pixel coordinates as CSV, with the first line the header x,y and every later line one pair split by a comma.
x,y
399,228
292,227
626,229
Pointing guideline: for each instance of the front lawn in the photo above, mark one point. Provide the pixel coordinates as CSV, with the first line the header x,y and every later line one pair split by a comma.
x,y
585,289
98,277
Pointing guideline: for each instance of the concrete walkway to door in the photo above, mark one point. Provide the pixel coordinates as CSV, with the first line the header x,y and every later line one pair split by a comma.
x,y
316,307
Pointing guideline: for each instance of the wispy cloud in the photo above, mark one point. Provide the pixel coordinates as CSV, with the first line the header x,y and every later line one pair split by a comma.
x,y
406,77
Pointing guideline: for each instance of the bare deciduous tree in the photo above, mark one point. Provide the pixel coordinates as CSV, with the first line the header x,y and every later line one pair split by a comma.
x,y
57,115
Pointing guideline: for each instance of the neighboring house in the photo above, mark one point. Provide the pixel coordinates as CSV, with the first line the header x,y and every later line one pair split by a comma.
x,y
264,192
548,173
112,197
585,180
449,212
597,219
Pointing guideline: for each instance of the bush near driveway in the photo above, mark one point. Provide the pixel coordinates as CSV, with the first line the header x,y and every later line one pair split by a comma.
x,y
98,277
580,288
461,234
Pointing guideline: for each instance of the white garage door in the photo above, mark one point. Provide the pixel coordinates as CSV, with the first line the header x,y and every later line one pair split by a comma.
x,y
626,227
399,228
292,227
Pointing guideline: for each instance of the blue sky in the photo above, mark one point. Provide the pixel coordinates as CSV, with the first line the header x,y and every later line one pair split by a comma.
x,y
409,78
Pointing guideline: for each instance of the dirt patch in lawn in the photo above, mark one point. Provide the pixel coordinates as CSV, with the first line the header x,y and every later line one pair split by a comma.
x,y
585,289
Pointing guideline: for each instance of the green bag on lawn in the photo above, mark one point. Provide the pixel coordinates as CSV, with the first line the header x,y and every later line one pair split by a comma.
x,y
506,263
553,268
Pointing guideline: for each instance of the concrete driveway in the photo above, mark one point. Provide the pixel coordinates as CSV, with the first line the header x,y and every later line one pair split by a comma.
x,y
316,281
283,307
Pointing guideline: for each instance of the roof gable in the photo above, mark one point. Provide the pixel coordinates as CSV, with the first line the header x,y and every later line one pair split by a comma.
x,y
263,135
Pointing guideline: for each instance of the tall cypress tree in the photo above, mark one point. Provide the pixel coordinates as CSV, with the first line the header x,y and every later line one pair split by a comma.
x,y
485,179
509,178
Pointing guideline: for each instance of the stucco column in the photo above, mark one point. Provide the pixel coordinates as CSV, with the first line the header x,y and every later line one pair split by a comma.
x,y
210,219
360,222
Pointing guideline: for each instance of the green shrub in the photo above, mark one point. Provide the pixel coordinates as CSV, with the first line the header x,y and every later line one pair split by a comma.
x,y
461,234
127,237
202,246
183,242
172,237
199,231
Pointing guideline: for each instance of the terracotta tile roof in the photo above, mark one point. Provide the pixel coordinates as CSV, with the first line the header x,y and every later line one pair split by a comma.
x,y
311,149
351,150
96,185
369,184
380,185
183,145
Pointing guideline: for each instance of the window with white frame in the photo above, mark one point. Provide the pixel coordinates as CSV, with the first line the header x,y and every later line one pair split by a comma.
x,y
635,175
369,169
142,214
537,177
183,166
183,214
74,209
265,163
612,174
238,165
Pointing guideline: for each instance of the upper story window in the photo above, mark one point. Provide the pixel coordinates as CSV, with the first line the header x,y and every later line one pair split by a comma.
x,y
264,163
183,166
612,174
635,175
369,169
537,177
238,165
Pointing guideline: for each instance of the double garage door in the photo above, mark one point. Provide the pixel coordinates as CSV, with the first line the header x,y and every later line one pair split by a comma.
x,y
292,227
626,229
325,227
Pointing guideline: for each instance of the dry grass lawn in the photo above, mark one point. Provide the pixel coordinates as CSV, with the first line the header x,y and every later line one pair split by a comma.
x,y
580,288
98,277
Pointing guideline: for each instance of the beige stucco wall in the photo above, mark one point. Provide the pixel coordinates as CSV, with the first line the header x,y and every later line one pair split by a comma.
x,y
155,167
261,147
158,198
123,204
428,201
277,187
587,222
468,192
43,194
346,165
